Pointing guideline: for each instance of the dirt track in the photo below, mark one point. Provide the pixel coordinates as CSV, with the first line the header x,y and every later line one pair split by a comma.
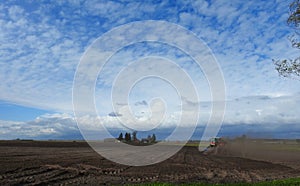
x,y
74,163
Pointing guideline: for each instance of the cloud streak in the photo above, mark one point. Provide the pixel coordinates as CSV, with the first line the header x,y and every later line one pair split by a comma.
x,y
41,45
244,115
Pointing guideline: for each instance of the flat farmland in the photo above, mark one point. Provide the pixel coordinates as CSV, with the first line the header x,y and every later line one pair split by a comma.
x,y
75,163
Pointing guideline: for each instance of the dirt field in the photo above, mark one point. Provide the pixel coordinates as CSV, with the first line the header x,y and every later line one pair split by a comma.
x,y
75,163
284,152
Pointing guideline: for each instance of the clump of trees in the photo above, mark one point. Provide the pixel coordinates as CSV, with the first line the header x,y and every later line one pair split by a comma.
x,y
132,138
291,67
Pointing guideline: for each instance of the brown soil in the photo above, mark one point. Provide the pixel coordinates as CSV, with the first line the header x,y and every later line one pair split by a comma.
x,y
75,163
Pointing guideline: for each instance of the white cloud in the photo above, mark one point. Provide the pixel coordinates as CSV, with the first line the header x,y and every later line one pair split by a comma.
x,y
40,49
264,111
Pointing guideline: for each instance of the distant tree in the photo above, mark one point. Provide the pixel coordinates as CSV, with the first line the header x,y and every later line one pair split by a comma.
x,y
120,138
153,138
126,137
129,137
291,67
134,138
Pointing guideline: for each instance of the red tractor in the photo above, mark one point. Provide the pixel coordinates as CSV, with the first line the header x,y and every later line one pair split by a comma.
x,y
216,145
214,142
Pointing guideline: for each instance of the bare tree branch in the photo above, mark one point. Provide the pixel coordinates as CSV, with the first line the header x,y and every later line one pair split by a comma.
x,y
291,67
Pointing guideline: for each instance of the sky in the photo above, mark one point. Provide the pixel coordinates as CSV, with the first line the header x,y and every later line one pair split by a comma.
x,y
43,43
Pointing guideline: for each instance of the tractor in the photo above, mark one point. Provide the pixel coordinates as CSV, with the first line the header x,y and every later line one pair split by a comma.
x,y
215,142
215,145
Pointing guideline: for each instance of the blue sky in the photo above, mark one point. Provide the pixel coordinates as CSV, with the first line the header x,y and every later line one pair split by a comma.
x,y
42,43
15,112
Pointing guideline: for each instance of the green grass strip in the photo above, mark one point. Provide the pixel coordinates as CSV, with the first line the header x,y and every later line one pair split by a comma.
x,y
288,182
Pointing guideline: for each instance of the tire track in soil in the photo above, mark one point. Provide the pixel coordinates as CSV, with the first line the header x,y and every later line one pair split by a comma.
x,y
186,168
39,176
21,173
48,178
29,176
63,178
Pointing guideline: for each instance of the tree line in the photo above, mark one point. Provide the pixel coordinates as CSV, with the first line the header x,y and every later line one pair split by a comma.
x,y
132,138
